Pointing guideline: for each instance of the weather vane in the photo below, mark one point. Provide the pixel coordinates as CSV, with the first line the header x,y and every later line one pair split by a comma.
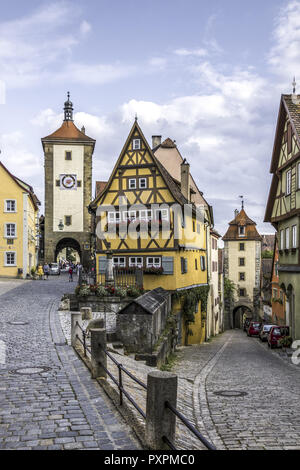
x,y
242,198
295,98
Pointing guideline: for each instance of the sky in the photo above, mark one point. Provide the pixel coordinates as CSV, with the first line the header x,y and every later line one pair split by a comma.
x,y
206,74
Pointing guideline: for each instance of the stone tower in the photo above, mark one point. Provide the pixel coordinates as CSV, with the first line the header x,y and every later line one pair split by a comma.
x,y
242,265
68,189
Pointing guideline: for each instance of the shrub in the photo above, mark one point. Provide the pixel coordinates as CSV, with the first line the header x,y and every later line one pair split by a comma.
x,y
120,292
100,291
83,291
286,341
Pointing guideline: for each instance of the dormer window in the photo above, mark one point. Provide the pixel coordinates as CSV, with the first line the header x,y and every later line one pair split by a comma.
x,y
242,231
136,144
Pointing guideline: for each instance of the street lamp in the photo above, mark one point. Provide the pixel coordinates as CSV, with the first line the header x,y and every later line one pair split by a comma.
x,y
61,225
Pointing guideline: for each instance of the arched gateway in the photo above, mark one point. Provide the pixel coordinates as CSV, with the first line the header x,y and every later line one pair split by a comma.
x,y
68,189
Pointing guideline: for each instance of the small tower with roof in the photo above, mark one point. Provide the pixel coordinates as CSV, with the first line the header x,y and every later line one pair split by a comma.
x,y
242,266
68,189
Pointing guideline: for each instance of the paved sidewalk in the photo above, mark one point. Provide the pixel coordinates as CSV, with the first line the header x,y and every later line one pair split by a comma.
x,y
47,398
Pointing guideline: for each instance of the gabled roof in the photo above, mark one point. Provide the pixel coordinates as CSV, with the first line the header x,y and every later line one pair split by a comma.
x,y
24,186
172,186
171,159
242,219
286,109
68,131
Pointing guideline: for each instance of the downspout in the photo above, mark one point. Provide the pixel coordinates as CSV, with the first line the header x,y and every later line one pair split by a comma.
x,y
206,227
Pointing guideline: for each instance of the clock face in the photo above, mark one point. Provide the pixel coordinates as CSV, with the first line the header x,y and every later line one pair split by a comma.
x,y
68,181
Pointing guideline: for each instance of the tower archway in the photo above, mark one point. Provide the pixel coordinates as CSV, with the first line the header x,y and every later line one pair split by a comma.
x,y
239,314
70,244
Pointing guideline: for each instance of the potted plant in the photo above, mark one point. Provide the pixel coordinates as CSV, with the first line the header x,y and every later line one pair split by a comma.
x,y
286,342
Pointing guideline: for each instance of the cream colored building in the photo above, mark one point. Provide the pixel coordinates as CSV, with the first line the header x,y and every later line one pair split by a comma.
x,y
242,265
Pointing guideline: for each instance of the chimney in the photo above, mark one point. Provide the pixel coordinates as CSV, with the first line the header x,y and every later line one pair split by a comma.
x,y
185,179
83,129
156,140
236,212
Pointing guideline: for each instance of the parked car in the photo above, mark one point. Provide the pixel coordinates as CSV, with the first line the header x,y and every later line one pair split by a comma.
x,y
264,332
253,329
247,323
276,333
54,269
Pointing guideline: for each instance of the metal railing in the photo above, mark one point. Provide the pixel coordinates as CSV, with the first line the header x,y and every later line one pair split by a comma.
x,y
123,277
119,383
85,335
122,391
192,428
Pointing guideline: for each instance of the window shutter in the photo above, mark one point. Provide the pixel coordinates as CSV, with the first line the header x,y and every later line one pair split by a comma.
x,y
185,265
102,264
202,261
167,263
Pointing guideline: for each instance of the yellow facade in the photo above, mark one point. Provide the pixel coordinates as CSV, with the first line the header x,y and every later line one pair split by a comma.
x,y
141,183
18,234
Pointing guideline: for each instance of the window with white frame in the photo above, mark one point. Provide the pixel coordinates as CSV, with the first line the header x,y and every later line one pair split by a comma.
x,y
119,261
136,261
10,230
136,144
294,236
146,214
142,183
287,238
162,214
10,258
129,216
132,183
10,205
113,217
281,239
288,181
153,262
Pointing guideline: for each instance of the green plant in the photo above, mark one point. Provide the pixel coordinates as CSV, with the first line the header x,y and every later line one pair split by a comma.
x,y
229,289
82,291
101,291
170,362
33,271
267,254
189,300
120,292
286,341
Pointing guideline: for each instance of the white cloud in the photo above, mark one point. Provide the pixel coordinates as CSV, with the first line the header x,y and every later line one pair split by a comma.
x,y
85,28
191,52
94,74
16,158
95,126
284,57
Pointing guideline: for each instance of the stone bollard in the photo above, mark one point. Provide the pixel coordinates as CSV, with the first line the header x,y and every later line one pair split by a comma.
x,y
98,356
86,313
75,330
160,421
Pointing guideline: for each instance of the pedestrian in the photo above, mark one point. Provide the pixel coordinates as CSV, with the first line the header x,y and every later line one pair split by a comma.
x,y
70,274
46,269
40,272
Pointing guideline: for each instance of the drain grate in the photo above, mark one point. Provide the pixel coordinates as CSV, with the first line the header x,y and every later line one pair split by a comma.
x,y
18,323
231,393
30,370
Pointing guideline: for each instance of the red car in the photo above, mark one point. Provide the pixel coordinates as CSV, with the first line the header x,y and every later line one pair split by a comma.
x,y
254,328
276,333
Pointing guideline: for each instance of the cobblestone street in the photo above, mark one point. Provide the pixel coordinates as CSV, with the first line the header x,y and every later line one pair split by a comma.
x,y
265,416
47,399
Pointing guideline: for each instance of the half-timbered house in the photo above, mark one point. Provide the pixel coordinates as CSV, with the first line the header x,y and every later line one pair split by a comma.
x,y
283,207
149,223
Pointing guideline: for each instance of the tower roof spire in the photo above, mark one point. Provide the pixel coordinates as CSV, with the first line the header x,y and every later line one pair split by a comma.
x,y
68,109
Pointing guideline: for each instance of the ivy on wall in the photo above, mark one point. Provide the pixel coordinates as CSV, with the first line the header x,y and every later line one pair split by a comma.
x,y
190,299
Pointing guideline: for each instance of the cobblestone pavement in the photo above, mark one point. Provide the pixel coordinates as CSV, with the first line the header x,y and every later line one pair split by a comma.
x,y
266,417
47,398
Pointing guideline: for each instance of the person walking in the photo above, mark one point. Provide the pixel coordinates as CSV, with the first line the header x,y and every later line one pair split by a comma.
x,y
46,271
70,273
40,272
